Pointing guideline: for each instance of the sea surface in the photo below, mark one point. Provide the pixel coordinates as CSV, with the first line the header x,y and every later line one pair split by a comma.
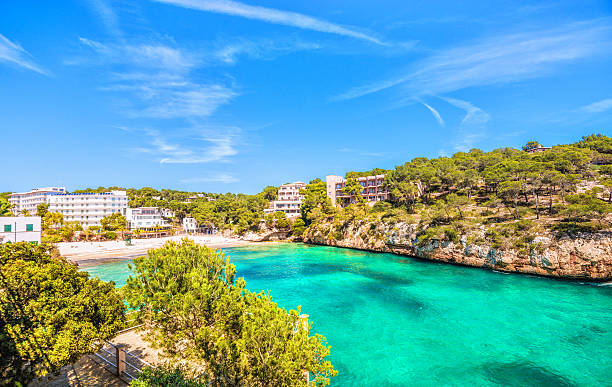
x,y
398,321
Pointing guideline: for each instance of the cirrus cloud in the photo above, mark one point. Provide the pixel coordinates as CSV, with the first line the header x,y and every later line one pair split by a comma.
x,y
271,15
13,53
497,60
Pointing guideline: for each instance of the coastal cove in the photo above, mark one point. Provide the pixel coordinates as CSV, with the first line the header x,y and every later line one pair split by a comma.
x,y
395,320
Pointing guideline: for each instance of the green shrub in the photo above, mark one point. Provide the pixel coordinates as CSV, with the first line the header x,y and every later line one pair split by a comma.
x,y
165,376
110,235
523,225
51,239
298,227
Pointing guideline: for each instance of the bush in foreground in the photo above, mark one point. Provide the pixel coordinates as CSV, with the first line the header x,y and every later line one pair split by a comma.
x,y
165,377
50,313
196,311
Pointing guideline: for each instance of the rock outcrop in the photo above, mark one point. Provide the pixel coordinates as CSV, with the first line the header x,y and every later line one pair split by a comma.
x,y
584,256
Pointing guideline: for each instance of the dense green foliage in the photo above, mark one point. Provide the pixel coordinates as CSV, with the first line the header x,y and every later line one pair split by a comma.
x,y
195,310
277,220
164,376
373,172
5,207
316,203
566,188
56,229
50,313
114,222
298,227
239,212
42,209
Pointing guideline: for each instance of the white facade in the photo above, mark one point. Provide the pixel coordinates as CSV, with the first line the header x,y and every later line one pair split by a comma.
x,y
167,213
191,226
88,208
289,200
20,229
28,201
144,218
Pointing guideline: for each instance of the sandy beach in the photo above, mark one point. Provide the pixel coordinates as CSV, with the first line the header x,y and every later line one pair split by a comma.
x,y
96,252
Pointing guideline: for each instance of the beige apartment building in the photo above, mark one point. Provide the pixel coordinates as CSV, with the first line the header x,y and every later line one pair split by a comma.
x,y
289,200
373,190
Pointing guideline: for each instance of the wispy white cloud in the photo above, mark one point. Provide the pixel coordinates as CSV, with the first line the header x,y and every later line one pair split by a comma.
x,y
205,147
435,113
465,141
107,15
13,53
213,178
474,115
173,99
498,60
271,15
152,55
599,106
260,49
158,76
472,127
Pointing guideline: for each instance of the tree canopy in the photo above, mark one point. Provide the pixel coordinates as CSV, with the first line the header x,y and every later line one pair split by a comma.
x,y
195,309
50,313
114,222
5,207
567,187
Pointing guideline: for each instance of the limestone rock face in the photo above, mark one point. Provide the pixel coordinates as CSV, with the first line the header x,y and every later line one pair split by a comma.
x,y
586,256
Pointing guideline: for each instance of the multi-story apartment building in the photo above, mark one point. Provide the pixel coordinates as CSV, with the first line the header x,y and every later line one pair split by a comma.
x,y
289,200
88,208
145,218
373,190
20,229
28,201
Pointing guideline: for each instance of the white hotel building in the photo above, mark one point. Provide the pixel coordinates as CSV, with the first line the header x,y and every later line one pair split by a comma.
x,y
88,208
145,218
289,200
28,201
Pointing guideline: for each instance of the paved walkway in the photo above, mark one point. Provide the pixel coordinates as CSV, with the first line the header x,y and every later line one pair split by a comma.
x,y
84,373
133,342
87,372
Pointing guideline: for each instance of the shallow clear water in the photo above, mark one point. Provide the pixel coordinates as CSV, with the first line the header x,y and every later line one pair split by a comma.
x,y
399,321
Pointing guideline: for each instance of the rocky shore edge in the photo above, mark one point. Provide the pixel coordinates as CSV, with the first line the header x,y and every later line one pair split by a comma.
x,y
582,256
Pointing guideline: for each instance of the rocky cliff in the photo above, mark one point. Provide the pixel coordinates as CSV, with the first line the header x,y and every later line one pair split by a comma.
x,y
585,256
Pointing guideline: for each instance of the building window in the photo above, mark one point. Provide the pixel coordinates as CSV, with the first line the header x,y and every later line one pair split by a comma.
x,y
29,227
7,228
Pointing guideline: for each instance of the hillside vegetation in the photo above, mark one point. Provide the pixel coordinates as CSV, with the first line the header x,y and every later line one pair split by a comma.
x,y
511,194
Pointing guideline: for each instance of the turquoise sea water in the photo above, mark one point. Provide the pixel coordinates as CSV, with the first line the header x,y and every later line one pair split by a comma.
x,y
397,321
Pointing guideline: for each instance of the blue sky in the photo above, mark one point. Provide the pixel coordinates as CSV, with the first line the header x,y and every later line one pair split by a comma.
x,y
228,96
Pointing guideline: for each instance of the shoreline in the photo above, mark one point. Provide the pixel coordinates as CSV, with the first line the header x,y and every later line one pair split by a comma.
x,y
578,280
93,253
